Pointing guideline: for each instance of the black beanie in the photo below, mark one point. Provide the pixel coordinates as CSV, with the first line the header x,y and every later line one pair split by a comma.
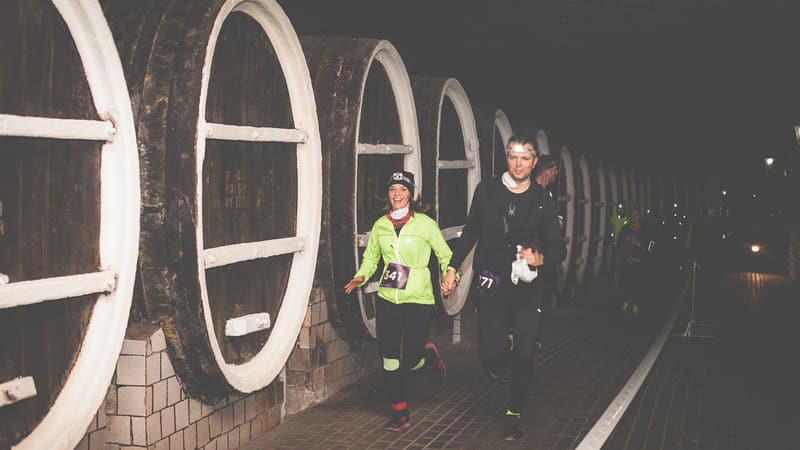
x,y
404,178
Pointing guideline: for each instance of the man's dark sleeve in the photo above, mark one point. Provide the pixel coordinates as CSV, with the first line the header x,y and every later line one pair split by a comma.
x,y
469,235
553,247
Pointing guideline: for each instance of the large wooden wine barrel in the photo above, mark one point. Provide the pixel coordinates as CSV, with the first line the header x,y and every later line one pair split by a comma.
x,y
69,199
661,195
625,189
369,129
614,200
494,131
450,166
542,142
583,217
600,218
641,185
566,210
231,173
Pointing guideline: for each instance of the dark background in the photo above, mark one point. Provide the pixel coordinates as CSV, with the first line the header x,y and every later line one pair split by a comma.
x,y
695,87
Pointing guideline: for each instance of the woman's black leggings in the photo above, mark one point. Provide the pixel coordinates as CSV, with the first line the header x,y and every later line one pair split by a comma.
x,y
402,334
518,307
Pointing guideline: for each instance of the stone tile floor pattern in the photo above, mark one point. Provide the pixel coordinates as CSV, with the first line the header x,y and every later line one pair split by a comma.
x,y
587,355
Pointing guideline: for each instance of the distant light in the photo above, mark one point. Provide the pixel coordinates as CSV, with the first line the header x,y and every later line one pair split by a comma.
x,y
674,205
663,222
724,236
769,161
680,223
648,211
674,238
724,192
619,206
754,196
755,248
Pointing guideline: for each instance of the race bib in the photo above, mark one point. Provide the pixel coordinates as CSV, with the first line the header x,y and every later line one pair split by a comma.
x,y
488,282
395,276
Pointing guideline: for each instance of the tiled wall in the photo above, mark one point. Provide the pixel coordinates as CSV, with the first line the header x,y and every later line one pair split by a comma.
x,y
146,408
323,363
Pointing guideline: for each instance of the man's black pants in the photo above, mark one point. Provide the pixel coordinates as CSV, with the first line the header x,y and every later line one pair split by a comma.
x,y
518,307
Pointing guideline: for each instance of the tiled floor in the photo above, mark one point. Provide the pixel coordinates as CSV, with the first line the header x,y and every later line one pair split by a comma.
x,y
691,400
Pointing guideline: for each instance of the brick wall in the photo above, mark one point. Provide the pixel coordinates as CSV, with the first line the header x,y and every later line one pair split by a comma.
x,y
146,408
323,363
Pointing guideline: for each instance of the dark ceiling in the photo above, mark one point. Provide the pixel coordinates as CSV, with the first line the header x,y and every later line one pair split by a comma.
x,y
692,84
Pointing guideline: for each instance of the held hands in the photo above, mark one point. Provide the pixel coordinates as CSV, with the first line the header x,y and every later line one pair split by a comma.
x,y
449,283
533,257
352,284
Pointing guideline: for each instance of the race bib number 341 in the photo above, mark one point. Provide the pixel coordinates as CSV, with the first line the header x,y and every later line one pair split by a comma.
x,y
395,276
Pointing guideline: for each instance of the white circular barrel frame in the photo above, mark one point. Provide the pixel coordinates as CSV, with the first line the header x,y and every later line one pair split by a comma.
x,y
567,168
633,194
85,387
542,142
614,201
676,196
584,235
388,57
504,126
625,194
643,204
265,366
458,96
602,219
661,195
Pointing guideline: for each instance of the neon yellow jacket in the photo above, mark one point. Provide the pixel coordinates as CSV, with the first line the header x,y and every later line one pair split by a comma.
x,y
411,248
617,222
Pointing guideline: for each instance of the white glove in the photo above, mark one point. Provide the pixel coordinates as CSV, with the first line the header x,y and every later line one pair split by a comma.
x,y
521,271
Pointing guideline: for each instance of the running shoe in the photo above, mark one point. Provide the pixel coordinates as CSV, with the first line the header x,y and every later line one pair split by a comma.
x,y
439,368
512,426
400,419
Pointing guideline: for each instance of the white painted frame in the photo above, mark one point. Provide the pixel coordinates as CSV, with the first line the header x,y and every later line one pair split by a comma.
x,y
568,169
268,363
389,58
85,388
503,125
542,143
583,240
602,191
626,189
642,185
614,200
458,97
